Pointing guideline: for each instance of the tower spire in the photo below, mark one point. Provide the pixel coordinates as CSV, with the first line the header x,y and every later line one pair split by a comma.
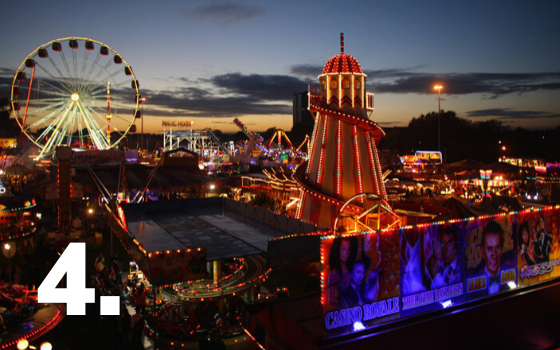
x,y
342,43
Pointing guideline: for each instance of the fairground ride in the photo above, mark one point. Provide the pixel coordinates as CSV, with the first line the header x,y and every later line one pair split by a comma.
x,y
255,140
342,179
76,92
204,142
278,136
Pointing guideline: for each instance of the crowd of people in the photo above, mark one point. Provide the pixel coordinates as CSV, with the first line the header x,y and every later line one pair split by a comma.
x,y
108,281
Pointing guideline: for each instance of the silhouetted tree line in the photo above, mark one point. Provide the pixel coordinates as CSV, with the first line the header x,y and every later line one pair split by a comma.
x,y
8,127
465,139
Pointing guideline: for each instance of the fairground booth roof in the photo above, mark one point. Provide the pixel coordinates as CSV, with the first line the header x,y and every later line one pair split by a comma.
x,y
193,223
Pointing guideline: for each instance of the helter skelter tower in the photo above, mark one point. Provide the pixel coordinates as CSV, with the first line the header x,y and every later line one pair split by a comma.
x,y
341,185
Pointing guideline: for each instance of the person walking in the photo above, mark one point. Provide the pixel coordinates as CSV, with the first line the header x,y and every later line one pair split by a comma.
x,y
117,268
99,263
125,328
137,324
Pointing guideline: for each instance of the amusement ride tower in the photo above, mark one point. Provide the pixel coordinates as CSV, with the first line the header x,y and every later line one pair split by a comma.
x,y
341,185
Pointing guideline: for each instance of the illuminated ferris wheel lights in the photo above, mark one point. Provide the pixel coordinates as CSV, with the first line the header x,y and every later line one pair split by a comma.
x,y
45,80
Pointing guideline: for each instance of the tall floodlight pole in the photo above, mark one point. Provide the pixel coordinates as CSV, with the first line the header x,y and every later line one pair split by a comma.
x,y
142,123
438,88
9,254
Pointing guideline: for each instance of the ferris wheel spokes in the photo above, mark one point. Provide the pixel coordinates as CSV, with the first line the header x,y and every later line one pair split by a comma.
x,y
43,137
67,125
38,123
68,74
75,66
97,135
97,80
84,65
61,92
92,67
55,66
54,134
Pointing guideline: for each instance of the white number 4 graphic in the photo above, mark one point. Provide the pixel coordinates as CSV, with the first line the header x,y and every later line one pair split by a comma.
x,y
72,263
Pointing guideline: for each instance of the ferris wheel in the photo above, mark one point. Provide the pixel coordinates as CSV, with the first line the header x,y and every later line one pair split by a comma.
x,y
76,92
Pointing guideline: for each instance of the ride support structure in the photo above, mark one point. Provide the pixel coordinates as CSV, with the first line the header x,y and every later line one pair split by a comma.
x,y
203,142
108,116
255,140
278,135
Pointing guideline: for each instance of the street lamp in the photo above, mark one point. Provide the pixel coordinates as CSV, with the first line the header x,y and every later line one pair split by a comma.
x,y
9,254
438,88
90,212
143,99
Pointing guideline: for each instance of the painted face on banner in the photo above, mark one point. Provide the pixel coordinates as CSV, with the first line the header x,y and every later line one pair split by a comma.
x,y
358,274
344,250
492,252
448,241
431,253
525,236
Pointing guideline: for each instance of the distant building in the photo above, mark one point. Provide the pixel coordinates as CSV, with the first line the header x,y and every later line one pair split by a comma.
x,y
301,113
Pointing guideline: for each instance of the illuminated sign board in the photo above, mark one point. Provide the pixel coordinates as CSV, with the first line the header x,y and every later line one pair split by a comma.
x,y
422,158
175,123
373,278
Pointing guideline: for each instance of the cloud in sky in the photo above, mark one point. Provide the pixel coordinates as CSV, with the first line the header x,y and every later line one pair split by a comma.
x,y
491,84
313,71
201,103
260,87
6,80
509,114
407,80
227,95
265,94
236,94
308,71
224,13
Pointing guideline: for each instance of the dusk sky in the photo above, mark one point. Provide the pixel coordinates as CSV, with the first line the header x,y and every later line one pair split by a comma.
x,y
213,61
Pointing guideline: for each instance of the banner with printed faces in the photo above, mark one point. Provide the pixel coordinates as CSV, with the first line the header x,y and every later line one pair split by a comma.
x,y
374,278
432,267
361,281
538,246
490,256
